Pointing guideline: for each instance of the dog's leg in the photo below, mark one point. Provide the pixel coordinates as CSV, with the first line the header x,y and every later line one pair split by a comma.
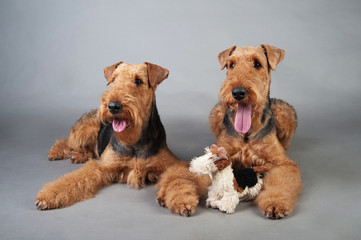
x,y
73,187
281,187
83,138
60,150
286,121
81,155
179,189
81,143
216,119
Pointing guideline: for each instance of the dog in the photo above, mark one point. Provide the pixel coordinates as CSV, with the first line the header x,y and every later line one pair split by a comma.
x,y
125,132
254,130
228,187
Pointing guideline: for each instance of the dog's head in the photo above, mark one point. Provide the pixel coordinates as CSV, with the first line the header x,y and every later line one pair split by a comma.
x,y
246,88
131,95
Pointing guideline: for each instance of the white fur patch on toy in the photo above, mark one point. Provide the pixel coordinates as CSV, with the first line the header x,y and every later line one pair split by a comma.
x,y
204,165
228,187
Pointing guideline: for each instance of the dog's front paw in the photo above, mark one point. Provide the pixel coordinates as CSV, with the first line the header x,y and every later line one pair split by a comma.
x,y
185,205
182,201
185,209
178,190
53,155
56,154
161,202
55,195
42,204
181,198
59,150
79,156
46,201
275,210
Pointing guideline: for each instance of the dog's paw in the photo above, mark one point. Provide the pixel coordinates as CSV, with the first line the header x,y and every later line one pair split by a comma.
x,y
185,210
52,156
136,179
276,211
45,201
56,154
41,204
59,150
185,204
161,202
79,157
182,204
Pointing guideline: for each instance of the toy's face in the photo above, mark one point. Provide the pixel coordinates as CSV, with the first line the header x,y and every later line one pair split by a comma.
x,y
214,160
219,152
219,157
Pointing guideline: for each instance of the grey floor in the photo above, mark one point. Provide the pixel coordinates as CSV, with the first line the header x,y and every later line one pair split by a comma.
x,y
52,55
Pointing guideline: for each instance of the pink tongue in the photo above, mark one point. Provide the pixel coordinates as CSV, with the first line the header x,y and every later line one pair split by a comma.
x,y
119,125
242,122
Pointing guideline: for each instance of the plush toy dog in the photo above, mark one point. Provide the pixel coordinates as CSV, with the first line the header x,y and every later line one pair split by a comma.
x,y
228,186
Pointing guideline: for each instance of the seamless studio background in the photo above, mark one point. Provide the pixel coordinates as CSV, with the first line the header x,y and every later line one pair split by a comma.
x,y
52,55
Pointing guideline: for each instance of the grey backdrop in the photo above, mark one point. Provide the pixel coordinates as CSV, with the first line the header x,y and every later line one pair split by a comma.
x,y
52,55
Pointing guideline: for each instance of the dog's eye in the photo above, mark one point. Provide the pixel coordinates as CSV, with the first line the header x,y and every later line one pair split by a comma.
x,y
257,65
138,82
231,65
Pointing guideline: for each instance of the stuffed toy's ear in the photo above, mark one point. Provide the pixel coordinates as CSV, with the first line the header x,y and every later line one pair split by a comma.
x,y
222,154
156,74
274,55
223,56
214,146
214,149
108,72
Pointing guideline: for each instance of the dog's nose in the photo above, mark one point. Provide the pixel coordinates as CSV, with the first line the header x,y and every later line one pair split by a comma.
x,y
114,107
239,93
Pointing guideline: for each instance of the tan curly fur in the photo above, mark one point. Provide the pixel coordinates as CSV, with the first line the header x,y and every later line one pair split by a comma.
x,y
273,124
131,155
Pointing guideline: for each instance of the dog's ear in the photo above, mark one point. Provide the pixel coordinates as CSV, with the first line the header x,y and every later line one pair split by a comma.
x,y
156,74
223,56
274,55
108,72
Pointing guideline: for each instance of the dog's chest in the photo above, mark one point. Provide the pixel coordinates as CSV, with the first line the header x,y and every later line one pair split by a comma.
x,y
138,151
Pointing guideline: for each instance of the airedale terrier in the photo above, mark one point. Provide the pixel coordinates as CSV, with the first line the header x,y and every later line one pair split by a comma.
x,y
125,131
253,128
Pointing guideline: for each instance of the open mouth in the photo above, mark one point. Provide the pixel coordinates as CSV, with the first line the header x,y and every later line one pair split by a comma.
x,y
243,119
119,125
